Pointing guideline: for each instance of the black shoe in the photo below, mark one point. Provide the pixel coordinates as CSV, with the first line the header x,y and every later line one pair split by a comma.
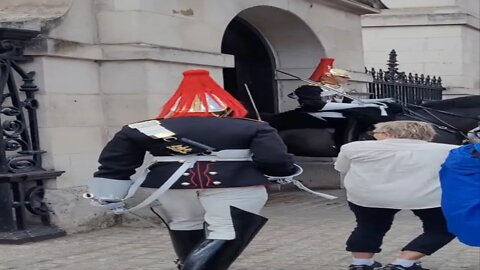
x,y
416,266
375,265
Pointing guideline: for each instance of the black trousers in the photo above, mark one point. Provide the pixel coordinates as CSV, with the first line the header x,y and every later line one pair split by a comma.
x,y
374,223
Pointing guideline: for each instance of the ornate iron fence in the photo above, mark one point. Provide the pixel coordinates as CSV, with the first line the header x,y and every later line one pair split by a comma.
x,y
404,88
21,174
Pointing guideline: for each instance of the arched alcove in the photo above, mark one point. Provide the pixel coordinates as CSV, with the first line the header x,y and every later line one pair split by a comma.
x,y
263,39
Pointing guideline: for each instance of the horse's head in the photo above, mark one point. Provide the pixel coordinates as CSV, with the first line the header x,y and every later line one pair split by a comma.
x,y
463,113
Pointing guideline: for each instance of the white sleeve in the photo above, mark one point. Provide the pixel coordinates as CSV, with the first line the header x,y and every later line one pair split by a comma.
x,y
342,164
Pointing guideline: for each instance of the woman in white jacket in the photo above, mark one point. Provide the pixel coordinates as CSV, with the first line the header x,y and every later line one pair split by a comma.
x,y
400,170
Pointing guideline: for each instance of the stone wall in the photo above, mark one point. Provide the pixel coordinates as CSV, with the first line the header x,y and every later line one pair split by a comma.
x,y
393,4
28,10
438,38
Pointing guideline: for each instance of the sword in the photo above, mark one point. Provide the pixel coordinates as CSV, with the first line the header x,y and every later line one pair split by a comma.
x,y
323,86
252,101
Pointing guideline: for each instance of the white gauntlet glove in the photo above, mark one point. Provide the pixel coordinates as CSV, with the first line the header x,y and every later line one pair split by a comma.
x,y
290,179
108,193
286,179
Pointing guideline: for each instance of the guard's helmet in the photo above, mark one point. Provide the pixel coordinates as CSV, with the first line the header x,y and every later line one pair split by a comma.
x,y
341,73
323,67
199,95
327,75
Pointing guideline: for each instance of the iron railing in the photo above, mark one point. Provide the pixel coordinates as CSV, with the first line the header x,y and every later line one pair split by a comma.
x,y
21,173
411,88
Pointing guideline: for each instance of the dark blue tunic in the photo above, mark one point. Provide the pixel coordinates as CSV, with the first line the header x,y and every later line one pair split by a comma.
x,y
126,152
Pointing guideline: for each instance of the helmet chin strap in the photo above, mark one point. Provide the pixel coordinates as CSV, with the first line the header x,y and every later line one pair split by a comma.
x,y
225,113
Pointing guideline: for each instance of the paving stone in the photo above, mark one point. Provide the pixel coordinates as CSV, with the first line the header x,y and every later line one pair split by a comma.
x,y
304,233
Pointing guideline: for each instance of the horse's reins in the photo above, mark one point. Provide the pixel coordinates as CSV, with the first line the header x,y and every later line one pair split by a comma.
x,y
445,126
445,112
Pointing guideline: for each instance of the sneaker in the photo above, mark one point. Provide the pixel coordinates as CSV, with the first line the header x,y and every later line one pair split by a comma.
x,y
375,265
416,266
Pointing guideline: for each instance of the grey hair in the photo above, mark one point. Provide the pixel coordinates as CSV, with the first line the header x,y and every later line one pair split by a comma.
x,y
407,130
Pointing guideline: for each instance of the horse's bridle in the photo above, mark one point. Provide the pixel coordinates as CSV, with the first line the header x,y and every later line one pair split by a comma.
x,y
444,125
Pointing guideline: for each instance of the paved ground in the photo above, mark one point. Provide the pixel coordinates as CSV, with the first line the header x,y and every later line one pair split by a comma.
x,y
304,233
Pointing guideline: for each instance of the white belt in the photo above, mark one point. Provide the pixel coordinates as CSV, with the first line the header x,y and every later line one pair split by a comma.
x,y
223,155
188,162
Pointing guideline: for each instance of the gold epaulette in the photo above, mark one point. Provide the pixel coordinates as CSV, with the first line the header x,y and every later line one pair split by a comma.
x,y
153,129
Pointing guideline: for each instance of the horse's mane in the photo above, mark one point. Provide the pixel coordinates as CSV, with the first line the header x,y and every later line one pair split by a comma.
x,y
461,102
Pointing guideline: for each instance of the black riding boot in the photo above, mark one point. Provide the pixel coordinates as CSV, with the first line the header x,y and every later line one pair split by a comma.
x,y
220,254
184,242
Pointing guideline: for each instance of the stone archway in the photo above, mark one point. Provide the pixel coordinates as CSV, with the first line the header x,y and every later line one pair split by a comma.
x,y
254,66
263,39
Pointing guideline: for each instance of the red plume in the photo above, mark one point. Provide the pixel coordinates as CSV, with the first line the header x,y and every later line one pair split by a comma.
x,y
324,66
197,94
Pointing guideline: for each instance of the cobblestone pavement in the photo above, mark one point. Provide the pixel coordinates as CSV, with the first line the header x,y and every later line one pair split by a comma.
x,y
304,233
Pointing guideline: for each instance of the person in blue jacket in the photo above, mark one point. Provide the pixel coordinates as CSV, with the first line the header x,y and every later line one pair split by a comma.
x,y
460,181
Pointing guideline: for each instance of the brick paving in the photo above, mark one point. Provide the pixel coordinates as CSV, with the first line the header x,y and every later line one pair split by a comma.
x,y
304,233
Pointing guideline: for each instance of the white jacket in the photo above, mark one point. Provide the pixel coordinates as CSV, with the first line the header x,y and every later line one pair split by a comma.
x,y
393,173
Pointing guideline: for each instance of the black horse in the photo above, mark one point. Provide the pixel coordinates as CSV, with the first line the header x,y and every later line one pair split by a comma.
x,y
306,135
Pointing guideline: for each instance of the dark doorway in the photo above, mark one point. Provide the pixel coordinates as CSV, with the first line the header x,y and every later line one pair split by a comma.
x,y
253,66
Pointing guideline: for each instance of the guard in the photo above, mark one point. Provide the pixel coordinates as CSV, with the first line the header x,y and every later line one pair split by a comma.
x,y
209,173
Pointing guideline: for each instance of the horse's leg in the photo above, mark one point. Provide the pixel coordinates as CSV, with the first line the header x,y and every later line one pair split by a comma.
x,y
340,126
309,142
351,131
355,131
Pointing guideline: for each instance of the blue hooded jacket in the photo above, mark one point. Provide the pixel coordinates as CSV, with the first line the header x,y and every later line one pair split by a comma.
x,y
460,180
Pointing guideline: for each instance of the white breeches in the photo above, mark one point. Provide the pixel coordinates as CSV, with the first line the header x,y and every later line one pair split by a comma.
x,y
189,209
